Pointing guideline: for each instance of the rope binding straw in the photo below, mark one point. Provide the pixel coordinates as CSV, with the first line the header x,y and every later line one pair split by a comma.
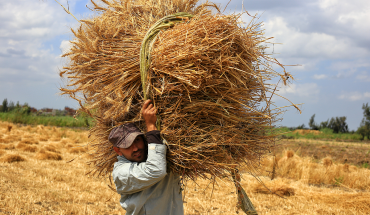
x,y
149,40
243,200
147,46
145,56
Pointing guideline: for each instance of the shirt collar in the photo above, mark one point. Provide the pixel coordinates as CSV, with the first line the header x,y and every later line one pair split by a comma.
x,y
123,159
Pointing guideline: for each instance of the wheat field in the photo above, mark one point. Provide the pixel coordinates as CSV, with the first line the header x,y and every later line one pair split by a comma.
x,y
36,177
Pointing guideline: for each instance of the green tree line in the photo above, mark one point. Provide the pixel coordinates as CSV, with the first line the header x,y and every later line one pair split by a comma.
x,y
18,113
10,107
339,124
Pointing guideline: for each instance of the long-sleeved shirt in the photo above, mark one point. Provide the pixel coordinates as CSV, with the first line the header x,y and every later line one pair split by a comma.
x,y
146,188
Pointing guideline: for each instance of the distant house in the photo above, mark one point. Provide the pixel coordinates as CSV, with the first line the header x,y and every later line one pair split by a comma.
x,y
69,111
33,110
47,111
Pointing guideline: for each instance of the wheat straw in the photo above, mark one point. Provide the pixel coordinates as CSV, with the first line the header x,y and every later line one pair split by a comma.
x,y
207,77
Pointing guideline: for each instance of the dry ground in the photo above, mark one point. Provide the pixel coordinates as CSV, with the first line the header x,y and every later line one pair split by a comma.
x,y
35,178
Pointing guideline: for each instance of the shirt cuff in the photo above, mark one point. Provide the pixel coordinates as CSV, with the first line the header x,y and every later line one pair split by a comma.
x,y
154,137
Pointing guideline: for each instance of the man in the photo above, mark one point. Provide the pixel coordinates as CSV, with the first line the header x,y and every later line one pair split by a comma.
x,y
140,173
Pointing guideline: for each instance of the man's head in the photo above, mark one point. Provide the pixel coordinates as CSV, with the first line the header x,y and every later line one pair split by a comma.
x,y
137,152
128,141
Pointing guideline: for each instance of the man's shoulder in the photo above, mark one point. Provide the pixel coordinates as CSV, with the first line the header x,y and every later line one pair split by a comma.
x,y
121,160
121,165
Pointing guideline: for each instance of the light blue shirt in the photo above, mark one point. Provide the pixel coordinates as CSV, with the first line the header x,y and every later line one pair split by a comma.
x,y
146,188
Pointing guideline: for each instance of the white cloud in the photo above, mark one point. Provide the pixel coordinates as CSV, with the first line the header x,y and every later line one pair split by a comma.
x,y
65,46
309,44
346,12
354,96
319,77
318,31
349,68
27,20
363,76
318,38
302,90
342,18
27,30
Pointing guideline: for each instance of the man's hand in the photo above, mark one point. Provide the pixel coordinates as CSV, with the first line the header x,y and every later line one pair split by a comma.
x,y
150,115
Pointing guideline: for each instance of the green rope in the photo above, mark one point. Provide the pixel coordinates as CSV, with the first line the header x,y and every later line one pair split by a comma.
x,y
243,200
147,46
149,40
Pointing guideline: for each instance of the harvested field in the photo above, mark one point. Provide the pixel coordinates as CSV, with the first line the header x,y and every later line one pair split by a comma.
x,y
305,131
324,173
357,154
56,187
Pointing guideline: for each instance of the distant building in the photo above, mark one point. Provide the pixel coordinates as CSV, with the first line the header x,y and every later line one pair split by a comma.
x,y
33,110
69,111
47,111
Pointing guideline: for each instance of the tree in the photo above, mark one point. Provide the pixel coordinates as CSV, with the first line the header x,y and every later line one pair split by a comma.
x,y
17,105
4,108
324,124
26,109
11,106
366,109
364,129
337,124
312,123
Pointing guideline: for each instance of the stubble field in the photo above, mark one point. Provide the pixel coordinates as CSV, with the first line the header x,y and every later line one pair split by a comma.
x,y
311,177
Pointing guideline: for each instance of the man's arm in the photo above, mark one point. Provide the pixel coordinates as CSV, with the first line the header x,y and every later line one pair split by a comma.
x,y
149,113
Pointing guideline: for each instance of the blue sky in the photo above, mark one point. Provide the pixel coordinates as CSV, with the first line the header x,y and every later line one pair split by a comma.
x,y
330,39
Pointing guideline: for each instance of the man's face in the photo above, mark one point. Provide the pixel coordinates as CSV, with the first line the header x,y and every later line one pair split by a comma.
x,y
137,152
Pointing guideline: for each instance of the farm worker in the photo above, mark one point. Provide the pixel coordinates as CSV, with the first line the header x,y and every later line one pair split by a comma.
x,y
140,173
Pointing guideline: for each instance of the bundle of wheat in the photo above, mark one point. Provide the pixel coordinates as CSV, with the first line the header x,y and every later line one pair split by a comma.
x,y
275,187
26,147
47,155
7,146
11,158
207,76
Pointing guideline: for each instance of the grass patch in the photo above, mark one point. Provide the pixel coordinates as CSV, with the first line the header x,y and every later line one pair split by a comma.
x,y
325,134
366,165
60,121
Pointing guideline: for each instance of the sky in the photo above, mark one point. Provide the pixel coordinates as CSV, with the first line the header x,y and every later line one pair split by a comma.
x,y
328,39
